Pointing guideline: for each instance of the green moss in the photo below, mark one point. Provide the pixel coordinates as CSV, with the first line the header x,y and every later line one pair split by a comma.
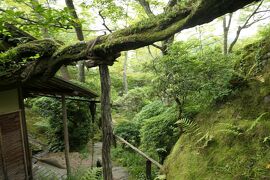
x,y
15,58
236,153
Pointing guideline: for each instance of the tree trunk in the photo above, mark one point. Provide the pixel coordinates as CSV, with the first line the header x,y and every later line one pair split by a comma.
x,y
65,73
125,83
81,71
225,36
226,28
106,121
66,140
78,29
180,107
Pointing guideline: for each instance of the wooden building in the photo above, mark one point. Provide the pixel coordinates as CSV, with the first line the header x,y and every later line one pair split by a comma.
x,y
15,155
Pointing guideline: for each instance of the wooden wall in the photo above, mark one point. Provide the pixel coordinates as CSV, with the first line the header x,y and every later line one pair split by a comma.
x,y
12,155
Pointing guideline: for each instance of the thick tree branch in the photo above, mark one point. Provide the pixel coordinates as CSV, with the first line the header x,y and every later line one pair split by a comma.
x,y
107,48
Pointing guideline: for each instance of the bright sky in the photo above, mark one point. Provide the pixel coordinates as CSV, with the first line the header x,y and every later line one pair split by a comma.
x,y
216,28
212,28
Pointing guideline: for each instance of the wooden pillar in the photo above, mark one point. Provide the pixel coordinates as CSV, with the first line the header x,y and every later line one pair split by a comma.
x,y
92,108
148,169
3,170
65,125
27,149
106,121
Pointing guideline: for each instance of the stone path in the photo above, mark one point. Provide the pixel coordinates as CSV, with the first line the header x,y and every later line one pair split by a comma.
x,y
119,173
52,172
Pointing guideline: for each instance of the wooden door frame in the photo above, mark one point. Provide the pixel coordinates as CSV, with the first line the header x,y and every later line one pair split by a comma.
x,y
4,169
24,134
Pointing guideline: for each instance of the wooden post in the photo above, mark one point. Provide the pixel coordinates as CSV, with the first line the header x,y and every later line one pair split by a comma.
x,y
27,149
3,169
65,125
106,119
148,169
92,152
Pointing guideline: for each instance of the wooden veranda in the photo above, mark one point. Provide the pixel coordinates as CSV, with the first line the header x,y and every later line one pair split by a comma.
x,y
15,154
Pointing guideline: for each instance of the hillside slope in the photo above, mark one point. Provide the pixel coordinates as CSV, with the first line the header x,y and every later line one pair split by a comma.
x,y
232,139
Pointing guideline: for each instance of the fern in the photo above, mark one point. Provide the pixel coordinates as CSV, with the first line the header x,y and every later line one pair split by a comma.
x,y
205,140
230,129
254,124
188,126
92,174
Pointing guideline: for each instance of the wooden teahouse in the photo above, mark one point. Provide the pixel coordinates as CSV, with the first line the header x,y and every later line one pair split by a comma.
x,y
15,154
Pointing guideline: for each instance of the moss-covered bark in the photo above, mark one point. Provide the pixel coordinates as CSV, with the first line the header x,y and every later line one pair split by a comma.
x,y
48,58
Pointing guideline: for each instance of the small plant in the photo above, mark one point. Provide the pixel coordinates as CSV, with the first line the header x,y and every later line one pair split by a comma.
x,y
266,140
188,126
93,174
86,174
205,140
228,128
254,124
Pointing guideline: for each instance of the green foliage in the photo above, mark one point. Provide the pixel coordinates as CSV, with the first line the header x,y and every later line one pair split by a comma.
x,y
235,141
253,57
128,130
148,111
37,126
153,129
110,9
159,133
79,122
133,161
254,124
86,174
187,126
92,174
234,144
133,101
193,76
36,15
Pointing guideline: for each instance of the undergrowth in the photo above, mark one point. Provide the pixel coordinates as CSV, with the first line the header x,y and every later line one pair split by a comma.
x,y
134,162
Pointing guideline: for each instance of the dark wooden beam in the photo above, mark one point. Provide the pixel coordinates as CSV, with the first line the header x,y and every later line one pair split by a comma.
x,y
148,170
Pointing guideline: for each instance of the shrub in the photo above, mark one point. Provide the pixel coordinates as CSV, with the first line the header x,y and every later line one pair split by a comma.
x,y
148,111
133,101
129,131
160,133
79,122
133,161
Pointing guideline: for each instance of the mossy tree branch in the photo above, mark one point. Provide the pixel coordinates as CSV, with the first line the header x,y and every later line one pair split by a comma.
x,y
107,48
